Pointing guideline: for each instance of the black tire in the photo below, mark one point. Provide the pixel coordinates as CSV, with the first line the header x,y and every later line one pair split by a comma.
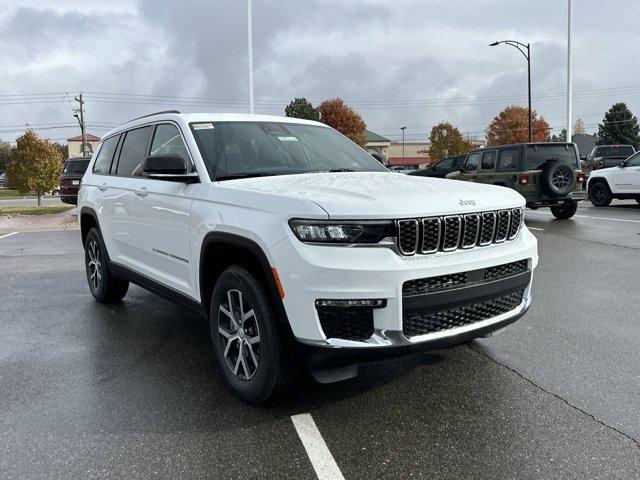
x,y
262,368
104,287
558,179
599,194
565,211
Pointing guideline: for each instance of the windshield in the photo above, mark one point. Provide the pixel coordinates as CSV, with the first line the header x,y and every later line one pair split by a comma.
x,y
76,166
244,149
537,155
614,151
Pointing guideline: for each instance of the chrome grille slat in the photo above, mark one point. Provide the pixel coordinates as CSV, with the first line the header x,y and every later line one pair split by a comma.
x,y
431,230
408,236
451,233
488,228
471,230
448,233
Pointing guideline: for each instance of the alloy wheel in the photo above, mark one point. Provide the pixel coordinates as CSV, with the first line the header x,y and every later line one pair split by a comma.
x,y
240,335
562,177
94,265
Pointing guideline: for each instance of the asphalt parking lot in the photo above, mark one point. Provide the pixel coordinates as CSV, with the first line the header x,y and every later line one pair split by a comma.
x,y
131,391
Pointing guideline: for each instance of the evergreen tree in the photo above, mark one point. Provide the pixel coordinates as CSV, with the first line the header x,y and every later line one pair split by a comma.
x,y
619,125
302,108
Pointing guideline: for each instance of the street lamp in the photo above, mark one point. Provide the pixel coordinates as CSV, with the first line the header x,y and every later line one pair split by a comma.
x,y
403,129
521,47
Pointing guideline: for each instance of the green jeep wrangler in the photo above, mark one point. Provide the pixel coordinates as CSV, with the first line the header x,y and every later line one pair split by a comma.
x,y
545,174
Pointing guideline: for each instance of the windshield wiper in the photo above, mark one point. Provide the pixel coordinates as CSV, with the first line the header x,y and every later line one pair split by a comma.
x,y
332,170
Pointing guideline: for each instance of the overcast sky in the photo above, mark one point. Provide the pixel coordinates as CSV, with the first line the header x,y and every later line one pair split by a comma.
x,y
399,63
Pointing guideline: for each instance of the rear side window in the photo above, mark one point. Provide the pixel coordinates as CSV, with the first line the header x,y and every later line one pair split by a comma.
x,y
472,162
133,152
167,141
538,155
102,164
508,160
488,160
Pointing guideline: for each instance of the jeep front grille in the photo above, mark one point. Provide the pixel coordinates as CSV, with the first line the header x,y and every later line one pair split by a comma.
x,y
451,232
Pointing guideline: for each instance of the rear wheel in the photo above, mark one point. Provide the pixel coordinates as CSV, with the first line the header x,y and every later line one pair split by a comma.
x,y
246,338
564,211
599,194
104,287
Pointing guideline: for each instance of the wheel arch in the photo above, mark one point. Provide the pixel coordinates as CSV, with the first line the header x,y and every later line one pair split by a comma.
x,y
600,179
88,219
220,250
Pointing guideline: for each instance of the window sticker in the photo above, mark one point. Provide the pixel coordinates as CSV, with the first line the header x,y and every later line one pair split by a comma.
x,y
287,138
202,126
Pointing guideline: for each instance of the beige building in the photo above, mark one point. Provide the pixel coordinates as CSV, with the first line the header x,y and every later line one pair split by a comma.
x,y
75,145
377,144
411,149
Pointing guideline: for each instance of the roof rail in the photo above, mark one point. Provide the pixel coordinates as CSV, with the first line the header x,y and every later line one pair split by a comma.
x,y
152,114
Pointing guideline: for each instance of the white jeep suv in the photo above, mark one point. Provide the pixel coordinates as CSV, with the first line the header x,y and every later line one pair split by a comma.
x,y
300,248
621,182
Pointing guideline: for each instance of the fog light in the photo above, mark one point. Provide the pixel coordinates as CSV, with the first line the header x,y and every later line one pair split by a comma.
x,y
371,303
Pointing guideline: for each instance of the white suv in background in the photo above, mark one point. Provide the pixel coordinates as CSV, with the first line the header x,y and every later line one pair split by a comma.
x,y
621,182
299,247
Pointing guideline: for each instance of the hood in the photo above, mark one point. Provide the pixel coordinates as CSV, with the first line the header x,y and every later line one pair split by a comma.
x,y
605,170
383,194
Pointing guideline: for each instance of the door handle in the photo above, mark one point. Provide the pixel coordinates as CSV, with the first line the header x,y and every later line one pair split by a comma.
x,y
102,187
142,192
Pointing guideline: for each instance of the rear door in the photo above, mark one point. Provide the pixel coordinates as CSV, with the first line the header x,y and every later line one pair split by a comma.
x,y
627,179
124,185
487,167
163,212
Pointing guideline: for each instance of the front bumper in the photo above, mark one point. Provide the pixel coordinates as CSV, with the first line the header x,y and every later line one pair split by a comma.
x,y
312,272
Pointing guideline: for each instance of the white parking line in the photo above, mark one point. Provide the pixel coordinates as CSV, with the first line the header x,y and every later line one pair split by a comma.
x,y
7,235
321,459
535,228
590,216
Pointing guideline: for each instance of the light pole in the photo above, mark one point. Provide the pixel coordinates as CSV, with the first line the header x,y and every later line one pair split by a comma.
x,y
569,113
403,129
250,53
521,47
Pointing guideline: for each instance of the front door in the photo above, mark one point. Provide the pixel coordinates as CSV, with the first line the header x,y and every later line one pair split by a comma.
x,y
470,168
487,167
627,179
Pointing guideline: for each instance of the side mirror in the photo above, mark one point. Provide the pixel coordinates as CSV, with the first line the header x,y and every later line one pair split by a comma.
x,y
461,169
172,168
583,157
623,164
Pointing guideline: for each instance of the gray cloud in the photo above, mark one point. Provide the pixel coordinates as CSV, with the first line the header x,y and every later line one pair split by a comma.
x,y
364,50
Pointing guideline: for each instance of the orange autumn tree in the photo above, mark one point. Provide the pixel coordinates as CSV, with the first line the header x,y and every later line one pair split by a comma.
x,y
344,119
512,126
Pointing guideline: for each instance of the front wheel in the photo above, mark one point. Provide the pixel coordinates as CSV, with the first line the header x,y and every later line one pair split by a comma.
x,y
246,337
564,211
104,287
599,195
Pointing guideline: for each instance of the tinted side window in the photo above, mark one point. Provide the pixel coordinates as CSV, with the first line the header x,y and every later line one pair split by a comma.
x,y
508,160
488,160
472,162
634,161
445,164
133,152
168,142
102,164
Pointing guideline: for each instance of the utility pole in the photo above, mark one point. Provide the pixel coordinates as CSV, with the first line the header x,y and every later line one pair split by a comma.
x,y
250,54
403,129
569,87
79,114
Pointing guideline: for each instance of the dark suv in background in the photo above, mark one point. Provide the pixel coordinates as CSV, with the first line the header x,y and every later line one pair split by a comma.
x,y
606,156
71,177
441,168
545,174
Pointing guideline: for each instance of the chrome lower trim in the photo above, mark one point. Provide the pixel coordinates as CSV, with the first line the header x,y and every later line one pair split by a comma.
x,y
395,338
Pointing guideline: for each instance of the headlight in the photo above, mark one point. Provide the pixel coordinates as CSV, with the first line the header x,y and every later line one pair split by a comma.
x,y
314,231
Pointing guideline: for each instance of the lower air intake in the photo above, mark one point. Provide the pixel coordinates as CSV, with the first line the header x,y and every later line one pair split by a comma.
x,y
347,323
